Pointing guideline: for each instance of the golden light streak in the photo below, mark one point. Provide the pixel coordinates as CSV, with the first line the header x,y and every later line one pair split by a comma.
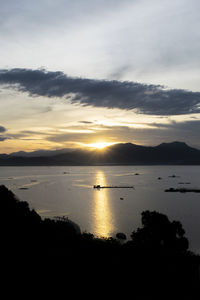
x,y
103,223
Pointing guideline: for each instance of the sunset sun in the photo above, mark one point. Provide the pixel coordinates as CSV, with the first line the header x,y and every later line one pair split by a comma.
x,y
99,145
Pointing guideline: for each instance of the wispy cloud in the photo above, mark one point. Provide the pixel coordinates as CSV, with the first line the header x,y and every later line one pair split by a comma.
x,y
86,122
148,134
3,138
186,126
126,95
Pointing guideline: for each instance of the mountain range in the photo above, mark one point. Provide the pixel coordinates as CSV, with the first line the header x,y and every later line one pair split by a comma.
x,y
175,153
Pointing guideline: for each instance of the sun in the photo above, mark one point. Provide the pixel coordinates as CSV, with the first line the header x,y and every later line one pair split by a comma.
x,y
99,145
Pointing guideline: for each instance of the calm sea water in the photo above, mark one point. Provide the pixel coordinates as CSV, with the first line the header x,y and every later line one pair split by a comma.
x,y
68,191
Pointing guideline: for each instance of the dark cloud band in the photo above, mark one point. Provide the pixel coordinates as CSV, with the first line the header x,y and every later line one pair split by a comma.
x,y
2,129
147,99
3,138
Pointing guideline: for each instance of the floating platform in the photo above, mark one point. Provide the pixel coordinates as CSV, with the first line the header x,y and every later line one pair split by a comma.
x,y
112,187
182,190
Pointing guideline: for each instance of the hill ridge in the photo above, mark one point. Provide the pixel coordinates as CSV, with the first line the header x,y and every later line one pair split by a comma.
x,y
122,153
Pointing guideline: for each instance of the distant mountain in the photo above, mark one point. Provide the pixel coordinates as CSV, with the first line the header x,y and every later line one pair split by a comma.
x,y
39,153
119,154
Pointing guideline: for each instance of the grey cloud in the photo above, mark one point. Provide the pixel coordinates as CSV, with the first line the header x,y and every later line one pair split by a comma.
x,y
86,122
147,99
23,135
192,125
3,138
28,132
2,129
42,13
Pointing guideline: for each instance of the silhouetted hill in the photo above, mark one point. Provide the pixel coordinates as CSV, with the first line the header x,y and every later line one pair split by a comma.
x,y
178,153
39,153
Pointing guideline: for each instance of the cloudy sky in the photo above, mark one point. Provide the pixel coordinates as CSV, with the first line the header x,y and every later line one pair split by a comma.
x,y
75,73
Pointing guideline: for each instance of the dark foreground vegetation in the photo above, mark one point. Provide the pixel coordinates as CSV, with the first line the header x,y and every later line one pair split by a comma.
x,y
55,255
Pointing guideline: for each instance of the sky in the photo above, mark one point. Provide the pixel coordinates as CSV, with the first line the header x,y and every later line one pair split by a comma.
x,y
76,73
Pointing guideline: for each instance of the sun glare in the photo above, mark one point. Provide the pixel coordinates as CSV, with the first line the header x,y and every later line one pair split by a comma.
x,y
99,145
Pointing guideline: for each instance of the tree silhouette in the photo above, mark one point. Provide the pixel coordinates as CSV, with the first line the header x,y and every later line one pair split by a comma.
x,y
158,233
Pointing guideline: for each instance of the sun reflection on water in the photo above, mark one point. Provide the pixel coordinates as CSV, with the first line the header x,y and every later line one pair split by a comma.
x,y
103,225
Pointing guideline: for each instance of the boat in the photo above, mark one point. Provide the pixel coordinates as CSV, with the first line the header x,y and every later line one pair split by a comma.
x,y
98,186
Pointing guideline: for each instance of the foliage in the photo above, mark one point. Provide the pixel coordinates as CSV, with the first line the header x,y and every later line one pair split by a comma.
x,y
158,233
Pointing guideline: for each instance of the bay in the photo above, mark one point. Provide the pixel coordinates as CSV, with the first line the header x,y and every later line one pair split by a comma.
x,y
68,191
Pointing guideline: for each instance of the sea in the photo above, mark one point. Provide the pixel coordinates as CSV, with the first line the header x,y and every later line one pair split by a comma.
x,y
68,191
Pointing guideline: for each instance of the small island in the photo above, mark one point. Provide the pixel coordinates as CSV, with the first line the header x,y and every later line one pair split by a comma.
x,y
183,190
